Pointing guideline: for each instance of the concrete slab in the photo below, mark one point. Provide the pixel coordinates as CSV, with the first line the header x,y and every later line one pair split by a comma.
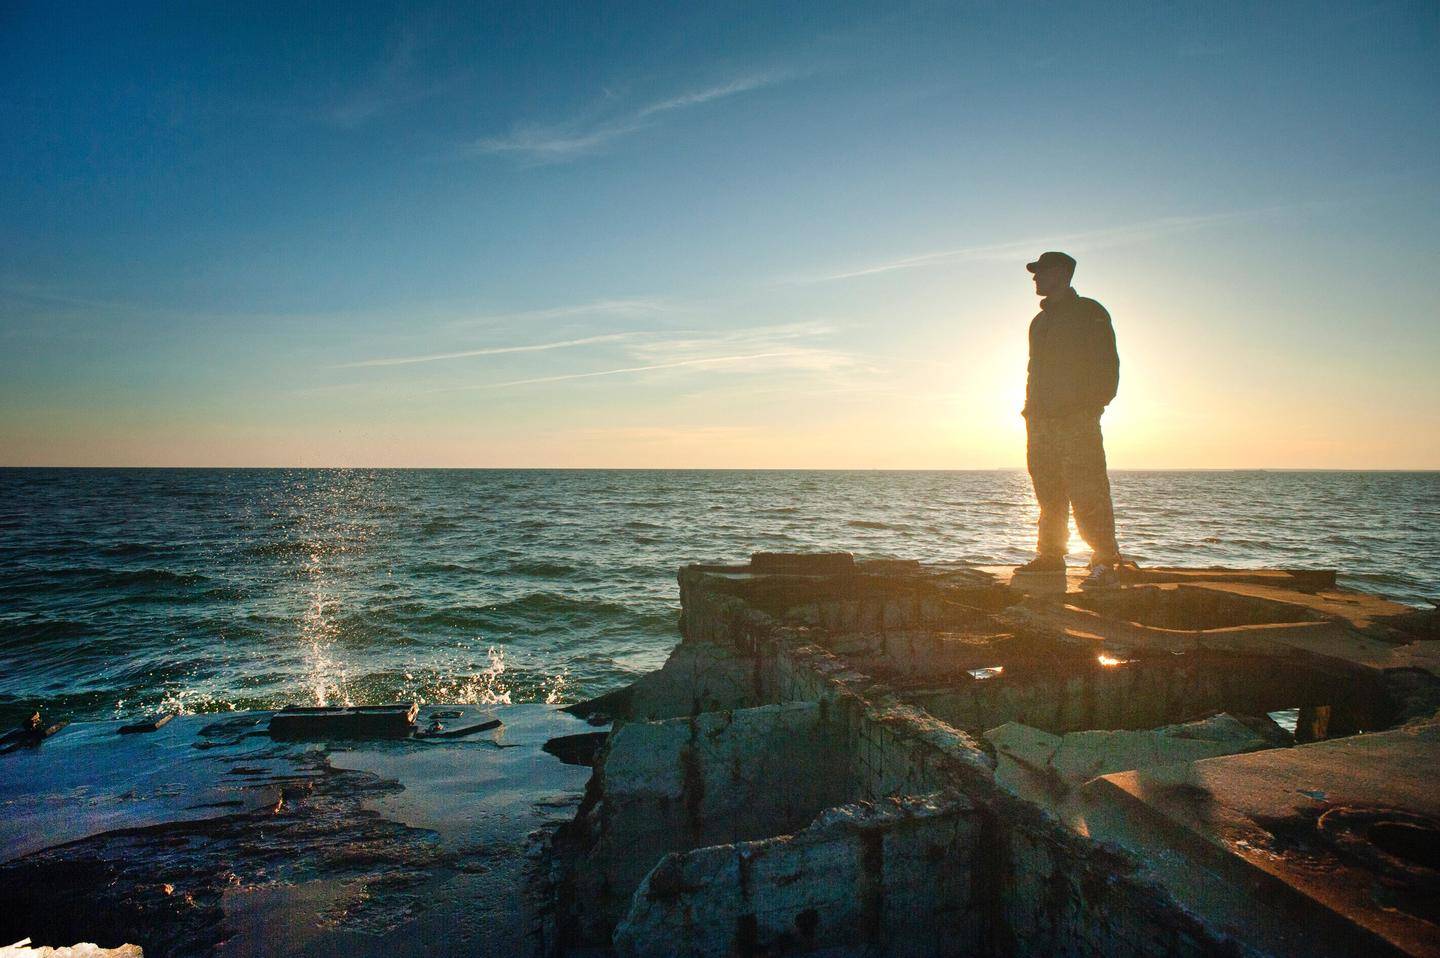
x,y
1046,582
1043,768
1342,833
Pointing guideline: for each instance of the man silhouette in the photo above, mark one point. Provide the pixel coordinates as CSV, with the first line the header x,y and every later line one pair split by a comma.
x,y
1073,374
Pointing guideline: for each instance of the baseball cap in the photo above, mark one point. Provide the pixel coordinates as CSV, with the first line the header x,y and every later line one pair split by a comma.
x,y
1051,259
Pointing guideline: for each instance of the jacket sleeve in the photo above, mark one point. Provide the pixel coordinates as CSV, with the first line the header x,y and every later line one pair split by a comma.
x,y
1103,380
1030,370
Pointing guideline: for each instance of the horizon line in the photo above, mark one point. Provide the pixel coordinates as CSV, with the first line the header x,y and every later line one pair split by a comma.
x,y
1018,468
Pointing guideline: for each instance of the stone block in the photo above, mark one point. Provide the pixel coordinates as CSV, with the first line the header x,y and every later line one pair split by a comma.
x,y
1040,766
802,563
891,878
714,778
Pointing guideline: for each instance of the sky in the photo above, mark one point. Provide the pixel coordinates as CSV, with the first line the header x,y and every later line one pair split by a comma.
x,y
719,235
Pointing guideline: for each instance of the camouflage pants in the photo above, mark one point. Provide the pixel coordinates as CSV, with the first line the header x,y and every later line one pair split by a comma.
x,y
1066,457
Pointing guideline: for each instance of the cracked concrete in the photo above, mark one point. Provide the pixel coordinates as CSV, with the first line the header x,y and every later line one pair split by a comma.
x,y
986,749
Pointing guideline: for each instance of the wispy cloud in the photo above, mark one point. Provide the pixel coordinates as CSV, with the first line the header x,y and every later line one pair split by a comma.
x,y
395,82
1073,242
706,361
553,144
743,84
488,351
771,349
786,339
559,142
599,307
52,294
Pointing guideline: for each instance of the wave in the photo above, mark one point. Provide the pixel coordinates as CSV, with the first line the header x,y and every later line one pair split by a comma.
x,y
541,569
545,605
153,597
444,568
154,577
32,631
100,577
874,524
128,550
278,548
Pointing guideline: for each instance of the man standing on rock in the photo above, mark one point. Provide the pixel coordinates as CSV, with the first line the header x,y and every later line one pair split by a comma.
x,y
1073,374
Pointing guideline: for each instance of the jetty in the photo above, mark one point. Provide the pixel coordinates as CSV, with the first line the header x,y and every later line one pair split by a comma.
x,y
895,758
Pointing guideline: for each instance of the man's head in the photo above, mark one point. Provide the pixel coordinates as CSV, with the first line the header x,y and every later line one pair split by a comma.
x,y
1053,272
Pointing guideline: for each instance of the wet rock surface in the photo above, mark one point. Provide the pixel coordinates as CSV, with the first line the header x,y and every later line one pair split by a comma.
x,y
86,949
207,837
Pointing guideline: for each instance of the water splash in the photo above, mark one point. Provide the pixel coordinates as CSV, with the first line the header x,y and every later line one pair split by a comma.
x,y
325,676
187,700
328,535
487,686
554,687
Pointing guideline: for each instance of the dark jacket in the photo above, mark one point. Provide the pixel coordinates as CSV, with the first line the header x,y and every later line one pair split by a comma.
x,y
1073,364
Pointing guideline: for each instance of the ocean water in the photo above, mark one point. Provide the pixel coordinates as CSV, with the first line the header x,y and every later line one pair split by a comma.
x,y
122,591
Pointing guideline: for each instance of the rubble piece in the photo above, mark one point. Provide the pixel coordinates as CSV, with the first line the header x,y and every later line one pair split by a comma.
x,y
1024,752
795,563
1267,729
85,949
438,731
26,730
803,682
361,721
580,749
30,734
148,725
1301,580
1022,748
1083,755
888,566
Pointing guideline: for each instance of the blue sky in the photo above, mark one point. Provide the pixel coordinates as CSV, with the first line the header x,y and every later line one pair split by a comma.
x,y
711,235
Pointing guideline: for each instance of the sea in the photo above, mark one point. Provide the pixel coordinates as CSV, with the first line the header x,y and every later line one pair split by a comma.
x,y
127,591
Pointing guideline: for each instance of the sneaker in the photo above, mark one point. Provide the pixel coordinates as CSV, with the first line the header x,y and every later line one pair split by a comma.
x,y
1043,564
1124,565
1102,576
